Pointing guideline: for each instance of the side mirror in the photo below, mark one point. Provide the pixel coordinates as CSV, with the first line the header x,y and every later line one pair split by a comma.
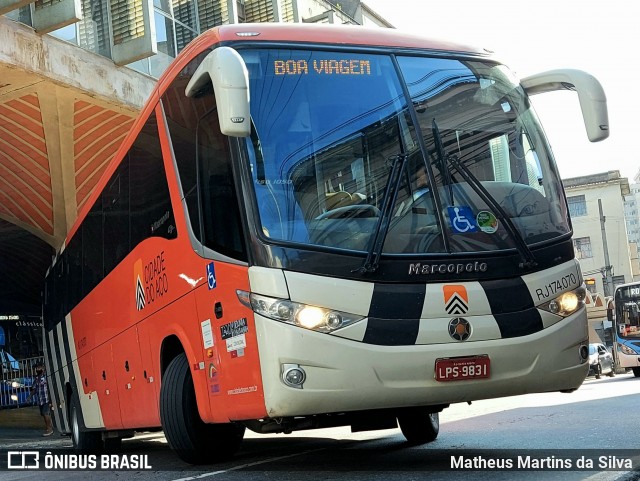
x,y
593,101
226,71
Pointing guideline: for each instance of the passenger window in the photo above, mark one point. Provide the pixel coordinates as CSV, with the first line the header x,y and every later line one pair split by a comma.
x,y
222,226
182,114
203,159
92,249
115,205
151,211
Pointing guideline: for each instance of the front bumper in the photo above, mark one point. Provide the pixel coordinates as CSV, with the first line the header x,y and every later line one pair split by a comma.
x,y
344,375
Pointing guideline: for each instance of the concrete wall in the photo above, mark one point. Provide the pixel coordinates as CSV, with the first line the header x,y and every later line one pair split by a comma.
x,y
40,57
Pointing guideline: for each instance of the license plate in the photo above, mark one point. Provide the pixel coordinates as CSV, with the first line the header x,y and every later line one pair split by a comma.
x,y
462,368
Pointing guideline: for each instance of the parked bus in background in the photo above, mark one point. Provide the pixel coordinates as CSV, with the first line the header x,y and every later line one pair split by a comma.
x,y
625,316
20,349
314,226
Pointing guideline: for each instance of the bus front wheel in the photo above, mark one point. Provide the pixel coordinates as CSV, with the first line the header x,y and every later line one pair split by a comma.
x,y
83,441
636,371
194,441
418,425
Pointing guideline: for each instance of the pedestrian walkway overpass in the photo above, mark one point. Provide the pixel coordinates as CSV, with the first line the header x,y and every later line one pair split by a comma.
x,y
64,111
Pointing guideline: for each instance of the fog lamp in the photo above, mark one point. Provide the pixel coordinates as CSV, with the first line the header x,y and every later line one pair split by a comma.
x,y
293,375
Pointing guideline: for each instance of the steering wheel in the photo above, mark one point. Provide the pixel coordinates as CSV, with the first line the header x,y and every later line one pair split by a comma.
x,y
351,212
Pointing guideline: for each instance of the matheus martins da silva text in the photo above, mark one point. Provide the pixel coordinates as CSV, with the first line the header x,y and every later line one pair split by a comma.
x,y
547,462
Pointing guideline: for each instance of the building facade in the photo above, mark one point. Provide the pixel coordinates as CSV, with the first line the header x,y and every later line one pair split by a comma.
x,y
596,206
147,35
632,210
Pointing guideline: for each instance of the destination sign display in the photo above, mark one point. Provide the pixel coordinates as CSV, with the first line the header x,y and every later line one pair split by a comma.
x,y
322,67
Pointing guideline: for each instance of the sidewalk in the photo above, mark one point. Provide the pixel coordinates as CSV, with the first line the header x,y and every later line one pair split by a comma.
x,y
26,417
22,429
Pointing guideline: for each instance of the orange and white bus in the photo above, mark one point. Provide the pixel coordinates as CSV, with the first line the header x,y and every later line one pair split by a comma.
x,y
313,226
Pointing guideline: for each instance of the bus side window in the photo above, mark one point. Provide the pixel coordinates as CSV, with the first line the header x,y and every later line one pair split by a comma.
x,y
210,194
73,253
222,225
115,206
92,249
150,204
182,114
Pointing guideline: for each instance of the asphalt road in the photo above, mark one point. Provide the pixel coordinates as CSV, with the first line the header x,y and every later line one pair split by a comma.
x,y
598,422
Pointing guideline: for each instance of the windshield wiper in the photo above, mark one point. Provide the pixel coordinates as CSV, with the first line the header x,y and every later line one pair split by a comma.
x,y
372,260
527,258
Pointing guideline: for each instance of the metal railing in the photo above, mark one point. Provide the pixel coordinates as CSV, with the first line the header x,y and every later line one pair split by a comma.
x,y
16,379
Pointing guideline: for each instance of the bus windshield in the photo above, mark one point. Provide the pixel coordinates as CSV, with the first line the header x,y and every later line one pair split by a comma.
x,y
338,150
627,299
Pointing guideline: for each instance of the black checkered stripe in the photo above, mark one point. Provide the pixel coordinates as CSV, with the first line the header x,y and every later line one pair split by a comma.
x,y
60,371
396,311
409,314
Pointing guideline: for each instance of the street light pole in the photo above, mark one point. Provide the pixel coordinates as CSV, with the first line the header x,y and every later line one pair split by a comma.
x,y
608,281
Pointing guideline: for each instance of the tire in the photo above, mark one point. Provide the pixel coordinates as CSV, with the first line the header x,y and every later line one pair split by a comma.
x,y
194,441
83,441
418,425
636,371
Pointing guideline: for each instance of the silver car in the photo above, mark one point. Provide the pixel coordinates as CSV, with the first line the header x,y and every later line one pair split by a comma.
x,y
600,361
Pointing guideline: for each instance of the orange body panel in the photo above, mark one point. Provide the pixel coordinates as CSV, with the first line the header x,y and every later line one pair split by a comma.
x,y
114,337
104,379
232,365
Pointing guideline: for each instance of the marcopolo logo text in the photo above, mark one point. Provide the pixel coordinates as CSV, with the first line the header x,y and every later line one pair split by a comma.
x,y
451,268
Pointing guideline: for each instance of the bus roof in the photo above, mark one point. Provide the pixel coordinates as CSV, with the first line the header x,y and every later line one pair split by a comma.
x,y
328,34
312,34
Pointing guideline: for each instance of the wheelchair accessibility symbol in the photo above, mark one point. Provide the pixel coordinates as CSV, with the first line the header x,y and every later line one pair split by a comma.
x,y
462,219
211,276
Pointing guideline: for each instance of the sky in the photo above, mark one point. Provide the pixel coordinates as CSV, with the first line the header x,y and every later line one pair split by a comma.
x,y
531,37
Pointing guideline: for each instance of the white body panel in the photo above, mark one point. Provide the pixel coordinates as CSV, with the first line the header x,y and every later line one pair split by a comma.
x,y
343,375
627,360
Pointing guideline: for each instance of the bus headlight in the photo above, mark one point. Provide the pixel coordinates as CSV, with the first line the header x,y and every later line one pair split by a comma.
x,y
566,303
310,317
627,350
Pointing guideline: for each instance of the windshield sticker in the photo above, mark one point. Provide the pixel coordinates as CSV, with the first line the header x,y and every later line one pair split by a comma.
x,y
322,67
462,219
487,222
